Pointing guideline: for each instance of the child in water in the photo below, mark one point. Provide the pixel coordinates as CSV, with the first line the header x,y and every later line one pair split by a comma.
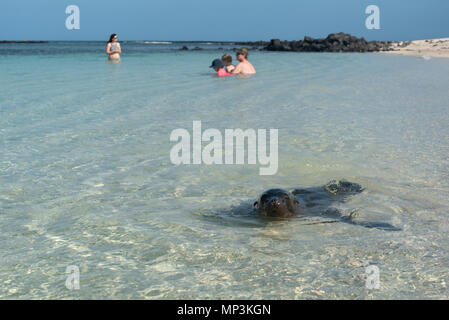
x,y
227,61
218,66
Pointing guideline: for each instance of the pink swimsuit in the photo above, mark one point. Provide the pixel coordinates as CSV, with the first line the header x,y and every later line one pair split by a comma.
x,y
222,73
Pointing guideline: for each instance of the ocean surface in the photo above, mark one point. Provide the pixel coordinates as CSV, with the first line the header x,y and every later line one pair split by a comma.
x,y
86,178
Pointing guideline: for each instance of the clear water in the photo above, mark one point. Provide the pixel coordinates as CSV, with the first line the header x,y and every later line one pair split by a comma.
x,y
86,178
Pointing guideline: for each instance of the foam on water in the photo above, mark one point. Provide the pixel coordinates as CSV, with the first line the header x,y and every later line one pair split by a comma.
x,y
86,178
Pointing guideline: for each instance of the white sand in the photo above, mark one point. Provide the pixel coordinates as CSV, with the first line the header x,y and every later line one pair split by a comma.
x,y
424,48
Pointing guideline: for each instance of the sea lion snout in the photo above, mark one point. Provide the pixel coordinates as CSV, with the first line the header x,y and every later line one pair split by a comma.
x,y
274,203
275,207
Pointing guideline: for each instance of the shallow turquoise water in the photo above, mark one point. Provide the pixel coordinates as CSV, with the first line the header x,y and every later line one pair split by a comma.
x,y
86,178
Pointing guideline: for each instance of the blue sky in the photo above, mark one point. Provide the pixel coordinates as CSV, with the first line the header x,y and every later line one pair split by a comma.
x,y
222,20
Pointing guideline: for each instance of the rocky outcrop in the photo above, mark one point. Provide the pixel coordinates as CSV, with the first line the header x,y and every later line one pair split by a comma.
x,y
253,43
185,48
339,42
335,42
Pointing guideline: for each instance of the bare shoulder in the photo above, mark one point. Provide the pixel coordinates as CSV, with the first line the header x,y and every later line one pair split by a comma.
x,y
252,67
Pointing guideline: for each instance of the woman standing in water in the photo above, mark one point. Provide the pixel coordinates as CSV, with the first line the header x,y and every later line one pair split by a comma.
x,y
113,49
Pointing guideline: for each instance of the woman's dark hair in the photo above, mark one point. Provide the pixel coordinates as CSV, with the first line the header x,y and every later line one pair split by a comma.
x,y
111,37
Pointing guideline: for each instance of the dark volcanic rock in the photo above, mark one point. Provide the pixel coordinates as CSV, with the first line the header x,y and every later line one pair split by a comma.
x,y
308,39
253,43
277,45
335,42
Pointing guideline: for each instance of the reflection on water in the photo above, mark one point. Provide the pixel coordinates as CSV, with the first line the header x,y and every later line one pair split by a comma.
x,y
86,178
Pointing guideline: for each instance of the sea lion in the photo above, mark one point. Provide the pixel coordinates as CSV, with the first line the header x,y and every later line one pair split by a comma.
x,y
314,205
280,203
277,203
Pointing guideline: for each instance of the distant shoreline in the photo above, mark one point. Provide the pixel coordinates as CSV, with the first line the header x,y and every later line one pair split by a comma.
x,y
22,41
436,48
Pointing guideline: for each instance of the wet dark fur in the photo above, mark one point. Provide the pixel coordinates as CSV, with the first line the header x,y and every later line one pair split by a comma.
x,y
277,203
314,201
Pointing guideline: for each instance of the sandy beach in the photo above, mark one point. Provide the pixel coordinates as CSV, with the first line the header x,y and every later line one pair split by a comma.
x,y
438,48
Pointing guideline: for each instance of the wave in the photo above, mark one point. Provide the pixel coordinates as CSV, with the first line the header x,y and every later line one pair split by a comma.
x,y
156,42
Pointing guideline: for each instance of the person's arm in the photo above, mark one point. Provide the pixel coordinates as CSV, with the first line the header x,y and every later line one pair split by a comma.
x,y
119,49
108,48
237,69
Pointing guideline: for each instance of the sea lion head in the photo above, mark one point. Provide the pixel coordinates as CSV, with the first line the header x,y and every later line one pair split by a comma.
x,y
277,203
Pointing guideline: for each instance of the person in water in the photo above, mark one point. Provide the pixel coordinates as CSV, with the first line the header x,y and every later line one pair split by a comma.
x,y
244,67
218,66
227,61
113,48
